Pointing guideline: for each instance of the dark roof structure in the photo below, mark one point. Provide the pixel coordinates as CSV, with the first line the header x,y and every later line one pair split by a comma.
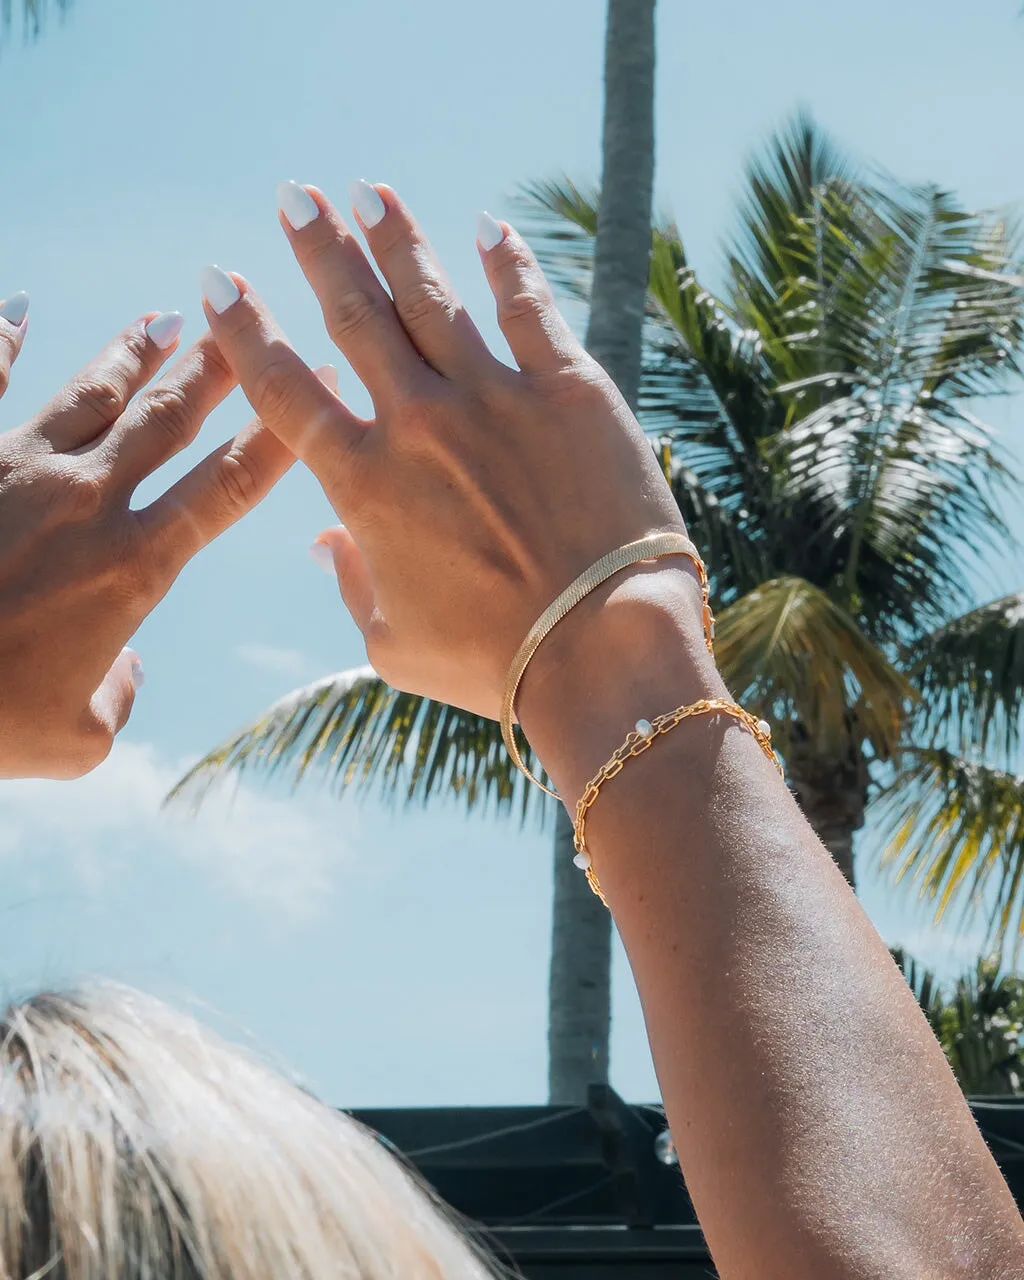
x,y
565,1193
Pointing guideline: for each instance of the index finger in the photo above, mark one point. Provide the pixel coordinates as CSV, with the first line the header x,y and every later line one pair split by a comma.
x,y
288,397
13,311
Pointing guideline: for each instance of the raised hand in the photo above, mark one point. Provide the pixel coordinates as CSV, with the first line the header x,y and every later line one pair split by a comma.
x,y
79,569
478,492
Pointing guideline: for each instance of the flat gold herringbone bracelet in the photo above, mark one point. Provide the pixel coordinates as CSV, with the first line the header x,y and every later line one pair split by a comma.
x,y
642,739
652,548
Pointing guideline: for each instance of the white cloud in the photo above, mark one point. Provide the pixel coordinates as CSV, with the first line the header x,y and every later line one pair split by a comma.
x,y
286,662
272,850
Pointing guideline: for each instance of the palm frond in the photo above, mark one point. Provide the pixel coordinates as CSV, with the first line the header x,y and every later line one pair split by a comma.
x,y
979,1024
936,316
702,390
925,986
791,651
33,14
981,1030
954,828
970,673
355,730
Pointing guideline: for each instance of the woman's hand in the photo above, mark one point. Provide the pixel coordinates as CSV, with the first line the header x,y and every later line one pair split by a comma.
x,y
478,492
782,1032
79,569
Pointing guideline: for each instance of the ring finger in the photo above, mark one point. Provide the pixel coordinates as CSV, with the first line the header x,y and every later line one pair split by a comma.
x,y
359,315
426,303
95,398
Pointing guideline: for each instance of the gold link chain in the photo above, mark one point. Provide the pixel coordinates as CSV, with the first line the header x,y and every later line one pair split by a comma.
x,y
638,742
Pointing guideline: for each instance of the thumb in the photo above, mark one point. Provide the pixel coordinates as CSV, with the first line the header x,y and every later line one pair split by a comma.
x,y
335,551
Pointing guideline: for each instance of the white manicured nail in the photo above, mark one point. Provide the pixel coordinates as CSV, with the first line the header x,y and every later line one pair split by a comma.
x,y
163,330
321,556
328,375
489,232
15,309
367,203
297,205
138,675
219,290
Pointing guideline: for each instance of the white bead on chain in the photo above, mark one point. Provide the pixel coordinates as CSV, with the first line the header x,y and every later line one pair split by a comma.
x,y
646,730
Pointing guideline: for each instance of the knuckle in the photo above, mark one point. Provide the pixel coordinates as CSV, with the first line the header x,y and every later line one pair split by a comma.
x,y
98,397
81,492
348,314
167,409
528,301
420,413
5,375
425,301
136,344
274,392
579,383
215,362
240,482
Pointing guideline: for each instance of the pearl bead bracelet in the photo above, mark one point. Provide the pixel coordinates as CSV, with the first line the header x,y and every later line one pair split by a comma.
x,y
642,739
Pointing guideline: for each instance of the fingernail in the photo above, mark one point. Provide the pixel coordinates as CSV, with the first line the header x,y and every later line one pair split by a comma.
x,y
328,375
367,203
489,232
15,309
297,205
138,675
321,556
219,290
163,329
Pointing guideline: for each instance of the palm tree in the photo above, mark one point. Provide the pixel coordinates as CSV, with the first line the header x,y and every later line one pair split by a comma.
x,y
579,989
33,13
580,973
980,1023
817,422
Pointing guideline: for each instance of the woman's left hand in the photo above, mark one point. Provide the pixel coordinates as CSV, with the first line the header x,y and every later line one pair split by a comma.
x,y
79,568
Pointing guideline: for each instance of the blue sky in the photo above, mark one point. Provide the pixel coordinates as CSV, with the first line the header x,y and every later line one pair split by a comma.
x,y
392,959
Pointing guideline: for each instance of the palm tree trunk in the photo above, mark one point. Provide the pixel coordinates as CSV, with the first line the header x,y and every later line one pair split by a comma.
x,y
832,792
579,1012
579,995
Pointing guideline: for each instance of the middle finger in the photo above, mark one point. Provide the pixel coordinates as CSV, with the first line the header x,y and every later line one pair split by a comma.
x,y
95,398
359,315
166,418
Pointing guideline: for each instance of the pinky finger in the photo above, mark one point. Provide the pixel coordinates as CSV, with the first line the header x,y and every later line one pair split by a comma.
x,y
13,314
536,331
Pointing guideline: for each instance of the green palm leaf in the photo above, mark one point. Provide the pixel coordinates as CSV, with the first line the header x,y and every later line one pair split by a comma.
x,y
954,828
980,1024
894,457
970,673
355,730
702,386
790,651
33,13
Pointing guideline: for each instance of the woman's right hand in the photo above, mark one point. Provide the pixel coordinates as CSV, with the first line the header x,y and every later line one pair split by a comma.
x,y
479,492
79,569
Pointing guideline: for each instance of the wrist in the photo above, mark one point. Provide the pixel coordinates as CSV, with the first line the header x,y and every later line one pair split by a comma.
x,y
632,649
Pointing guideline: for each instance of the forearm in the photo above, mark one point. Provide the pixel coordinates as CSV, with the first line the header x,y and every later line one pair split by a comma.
x,y
819,1128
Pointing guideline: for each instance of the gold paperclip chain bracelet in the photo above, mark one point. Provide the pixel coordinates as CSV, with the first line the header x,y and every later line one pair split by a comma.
x,y
642,739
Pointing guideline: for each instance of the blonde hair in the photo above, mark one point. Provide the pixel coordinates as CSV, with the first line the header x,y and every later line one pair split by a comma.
x,y
136,1144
